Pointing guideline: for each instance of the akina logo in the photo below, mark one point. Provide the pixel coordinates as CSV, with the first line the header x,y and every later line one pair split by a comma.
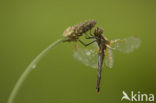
x,y
137,96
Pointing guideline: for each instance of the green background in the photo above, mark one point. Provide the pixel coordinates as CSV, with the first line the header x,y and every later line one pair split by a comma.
x,y
27,27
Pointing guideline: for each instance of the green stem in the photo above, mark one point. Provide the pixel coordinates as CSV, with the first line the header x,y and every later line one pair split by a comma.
x,y
29,69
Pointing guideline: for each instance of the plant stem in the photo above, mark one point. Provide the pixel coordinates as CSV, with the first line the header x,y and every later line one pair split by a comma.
x,y
29,68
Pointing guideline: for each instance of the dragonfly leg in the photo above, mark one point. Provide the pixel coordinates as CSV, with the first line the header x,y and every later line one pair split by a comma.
x,y
86,44
86,35
90,32
91,37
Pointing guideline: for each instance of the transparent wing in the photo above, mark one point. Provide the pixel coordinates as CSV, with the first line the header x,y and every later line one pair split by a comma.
x,y
87,57
108,58
126,45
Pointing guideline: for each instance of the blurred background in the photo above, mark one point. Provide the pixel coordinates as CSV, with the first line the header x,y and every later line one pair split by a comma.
x,y
27,27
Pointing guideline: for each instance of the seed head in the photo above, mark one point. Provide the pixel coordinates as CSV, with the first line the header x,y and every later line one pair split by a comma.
x,y
72,33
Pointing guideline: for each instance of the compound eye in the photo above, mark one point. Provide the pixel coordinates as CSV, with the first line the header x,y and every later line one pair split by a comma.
x,y
100,30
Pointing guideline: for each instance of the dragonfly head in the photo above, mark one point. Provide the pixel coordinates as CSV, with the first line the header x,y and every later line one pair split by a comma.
x,y
98,31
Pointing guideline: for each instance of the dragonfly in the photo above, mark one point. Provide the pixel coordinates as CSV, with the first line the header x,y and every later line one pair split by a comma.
x,y
95,58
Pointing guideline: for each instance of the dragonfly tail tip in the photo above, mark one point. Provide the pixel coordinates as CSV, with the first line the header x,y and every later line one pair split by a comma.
x,y
97,90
